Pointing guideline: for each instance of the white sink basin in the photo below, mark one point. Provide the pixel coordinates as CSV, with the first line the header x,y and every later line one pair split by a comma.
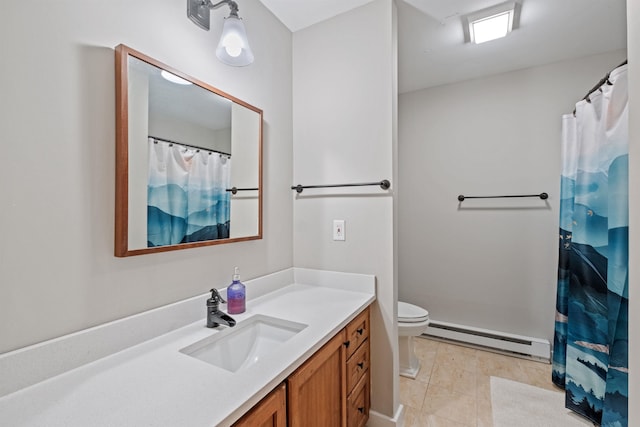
x,y
245,344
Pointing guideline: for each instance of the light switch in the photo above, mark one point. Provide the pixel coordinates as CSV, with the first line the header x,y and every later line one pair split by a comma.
x,y
338,229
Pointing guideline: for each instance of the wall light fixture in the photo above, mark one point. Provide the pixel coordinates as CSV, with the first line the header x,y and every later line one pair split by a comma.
x,y
233,48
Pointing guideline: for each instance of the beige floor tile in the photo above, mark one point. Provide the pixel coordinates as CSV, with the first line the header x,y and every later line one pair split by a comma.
x,y
543,368
425,344
436,421
484,416
537,374
498,365
457,407
446,378
456,348
415,418
428,355
456,356
453,387
412,393
483,388
426,368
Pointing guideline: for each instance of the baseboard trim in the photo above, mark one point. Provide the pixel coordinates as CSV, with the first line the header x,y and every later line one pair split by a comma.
x,y
377,419
531,347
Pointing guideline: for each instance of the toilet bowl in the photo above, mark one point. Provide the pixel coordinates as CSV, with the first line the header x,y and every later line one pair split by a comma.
x,y
412,322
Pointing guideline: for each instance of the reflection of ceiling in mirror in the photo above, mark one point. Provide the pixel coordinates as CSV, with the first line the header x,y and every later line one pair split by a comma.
x,y
188,103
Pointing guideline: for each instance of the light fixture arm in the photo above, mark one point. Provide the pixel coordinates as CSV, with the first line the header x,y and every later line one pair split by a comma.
x,y
198,11
232,5
233,48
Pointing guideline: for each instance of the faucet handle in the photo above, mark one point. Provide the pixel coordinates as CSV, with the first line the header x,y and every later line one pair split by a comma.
x,y
215,297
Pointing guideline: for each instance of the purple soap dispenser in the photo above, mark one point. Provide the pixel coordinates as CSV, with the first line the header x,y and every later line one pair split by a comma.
x,y
236,295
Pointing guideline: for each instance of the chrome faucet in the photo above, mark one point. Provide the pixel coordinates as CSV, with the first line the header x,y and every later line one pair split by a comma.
x,y
216,317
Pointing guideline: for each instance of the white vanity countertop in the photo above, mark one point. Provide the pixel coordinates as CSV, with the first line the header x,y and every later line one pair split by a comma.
x,y
153,384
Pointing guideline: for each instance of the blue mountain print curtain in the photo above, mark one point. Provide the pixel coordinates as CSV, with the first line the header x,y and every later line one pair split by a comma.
x,y
187,199
590,357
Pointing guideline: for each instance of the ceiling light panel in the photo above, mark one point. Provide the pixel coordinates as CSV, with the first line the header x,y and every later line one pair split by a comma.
x,y
491,23
491,28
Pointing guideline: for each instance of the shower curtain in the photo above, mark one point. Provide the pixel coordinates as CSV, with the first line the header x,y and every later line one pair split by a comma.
x,y
187,199
590,357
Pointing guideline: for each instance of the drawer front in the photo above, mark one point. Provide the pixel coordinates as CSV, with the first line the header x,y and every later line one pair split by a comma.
x,y
357,332
357,365
358,403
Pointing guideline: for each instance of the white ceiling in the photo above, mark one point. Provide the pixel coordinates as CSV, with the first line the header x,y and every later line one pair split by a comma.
x,y
431,48
299,14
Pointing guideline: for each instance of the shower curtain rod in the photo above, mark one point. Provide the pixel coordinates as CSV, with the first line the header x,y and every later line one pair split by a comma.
x,y
384,184
604,80
542,196
156,139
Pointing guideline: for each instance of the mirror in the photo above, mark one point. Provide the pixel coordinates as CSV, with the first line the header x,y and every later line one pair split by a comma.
x,y
188,161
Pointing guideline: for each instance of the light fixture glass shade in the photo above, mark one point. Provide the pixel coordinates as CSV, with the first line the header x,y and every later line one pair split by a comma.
x,y
233,48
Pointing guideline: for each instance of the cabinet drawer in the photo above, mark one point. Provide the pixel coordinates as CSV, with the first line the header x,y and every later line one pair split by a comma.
x,y
357,365
358,403
357,332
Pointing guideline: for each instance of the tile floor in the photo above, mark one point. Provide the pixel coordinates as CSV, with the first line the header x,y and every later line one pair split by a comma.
x,y
452,388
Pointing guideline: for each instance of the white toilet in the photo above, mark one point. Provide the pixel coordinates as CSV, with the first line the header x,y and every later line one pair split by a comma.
x,y
412,321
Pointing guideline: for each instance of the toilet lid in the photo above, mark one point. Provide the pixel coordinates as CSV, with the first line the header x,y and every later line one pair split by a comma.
x,y
410,313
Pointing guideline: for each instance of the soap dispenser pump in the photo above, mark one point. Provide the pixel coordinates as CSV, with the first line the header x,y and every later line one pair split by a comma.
x,y
236,294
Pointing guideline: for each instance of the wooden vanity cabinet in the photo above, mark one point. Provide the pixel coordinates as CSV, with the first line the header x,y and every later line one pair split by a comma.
x,y
269,412
330,389
317,390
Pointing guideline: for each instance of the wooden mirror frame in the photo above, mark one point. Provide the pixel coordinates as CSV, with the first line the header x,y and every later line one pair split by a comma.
x,y
121,249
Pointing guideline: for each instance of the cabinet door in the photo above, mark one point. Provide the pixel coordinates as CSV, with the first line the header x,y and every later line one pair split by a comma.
x,y
269,412
317,390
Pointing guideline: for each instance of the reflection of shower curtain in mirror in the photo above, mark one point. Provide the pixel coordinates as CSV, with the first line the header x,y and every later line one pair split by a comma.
x,y
590,357
187,199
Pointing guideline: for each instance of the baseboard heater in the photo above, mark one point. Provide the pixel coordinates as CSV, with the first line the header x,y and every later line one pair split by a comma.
x,y
517,344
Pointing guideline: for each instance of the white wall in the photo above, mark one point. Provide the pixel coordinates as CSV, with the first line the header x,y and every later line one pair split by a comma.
x,y
57,121
487,263
244,171
633,48
343,99
167,126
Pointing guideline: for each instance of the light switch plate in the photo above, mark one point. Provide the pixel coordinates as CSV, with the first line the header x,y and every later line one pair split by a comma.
x,y
338,230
